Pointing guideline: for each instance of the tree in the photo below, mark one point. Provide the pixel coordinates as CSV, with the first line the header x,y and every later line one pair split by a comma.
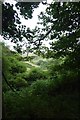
x,y
63,20
11,24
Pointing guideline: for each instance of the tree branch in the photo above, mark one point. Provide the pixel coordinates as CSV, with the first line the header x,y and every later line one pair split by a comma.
x,y
44,36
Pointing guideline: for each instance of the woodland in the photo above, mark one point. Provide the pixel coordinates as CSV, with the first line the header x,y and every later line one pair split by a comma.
x,y
46,84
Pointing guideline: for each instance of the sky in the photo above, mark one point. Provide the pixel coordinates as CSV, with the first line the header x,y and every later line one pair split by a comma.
x,y
32,22
29,23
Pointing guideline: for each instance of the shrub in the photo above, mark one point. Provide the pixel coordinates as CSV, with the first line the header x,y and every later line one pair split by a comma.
x,y
22,105
36,74
47,87
17,56
39,62
16,66
18,83
42,63
40,87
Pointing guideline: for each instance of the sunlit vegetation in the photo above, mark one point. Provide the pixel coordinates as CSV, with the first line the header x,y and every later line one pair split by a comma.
x,y
39,93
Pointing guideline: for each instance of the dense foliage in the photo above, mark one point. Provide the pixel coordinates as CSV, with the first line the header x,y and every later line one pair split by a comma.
x,y
11,24
38,93
50,89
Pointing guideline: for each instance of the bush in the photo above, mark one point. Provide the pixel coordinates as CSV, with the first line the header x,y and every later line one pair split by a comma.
x,y
36,74
16,66
47,87
42,63
39,62
17,56
22,105
18,83
40,87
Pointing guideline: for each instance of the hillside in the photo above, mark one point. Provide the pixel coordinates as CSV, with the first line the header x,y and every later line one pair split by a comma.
x,y
38,93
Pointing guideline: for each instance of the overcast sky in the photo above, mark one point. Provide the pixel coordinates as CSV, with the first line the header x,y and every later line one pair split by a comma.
x,y
31,22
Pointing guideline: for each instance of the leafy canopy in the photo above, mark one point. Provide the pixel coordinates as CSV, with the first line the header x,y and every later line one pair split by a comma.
x,y
11,24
